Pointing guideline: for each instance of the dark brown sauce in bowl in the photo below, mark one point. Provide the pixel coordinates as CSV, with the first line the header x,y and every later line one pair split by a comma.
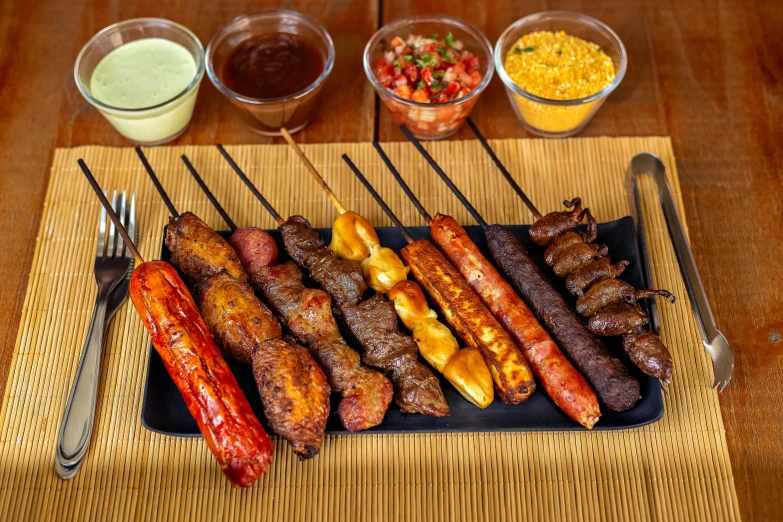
x,y
269,66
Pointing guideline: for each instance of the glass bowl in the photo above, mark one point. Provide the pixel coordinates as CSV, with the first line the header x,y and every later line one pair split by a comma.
x,y
559,118
159,123
429,121
268,116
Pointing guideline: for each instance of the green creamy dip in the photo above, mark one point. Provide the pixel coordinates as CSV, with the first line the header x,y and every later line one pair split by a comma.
x,y
143,73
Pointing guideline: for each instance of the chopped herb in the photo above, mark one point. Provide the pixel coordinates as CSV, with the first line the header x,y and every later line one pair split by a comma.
x,y
426,57
421,85
438,74
421,63
529,49
517,50
396,63
444,53
559,52
598,48
435,36
449,40
408,58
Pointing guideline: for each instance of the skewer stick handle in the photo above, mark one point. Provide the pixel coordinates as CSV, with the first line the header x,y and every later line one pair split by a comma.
x,y
506,174
320,180
401,182
378,199
110,212
156,182
268,206
210,196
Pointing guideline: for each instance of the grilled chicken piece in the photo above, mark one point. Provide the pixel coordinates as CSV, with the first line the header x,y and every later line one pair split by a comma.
x,y
617,319
609,291
576,256
200,252
648,353
582,279
552,225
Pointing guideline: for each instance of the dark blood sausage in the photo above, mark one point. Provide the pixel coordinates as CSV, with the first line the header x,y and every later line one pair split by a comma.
x,y
211,393
417,390
293,388
200,252
615,387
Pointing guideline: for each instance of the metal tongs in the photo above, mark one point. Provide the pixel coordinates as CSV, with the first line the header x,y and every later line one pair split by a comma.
x,y
714,341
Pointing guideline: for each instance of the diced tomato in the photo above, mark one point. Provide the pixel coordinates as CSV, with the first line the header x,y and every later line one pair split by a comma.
x,y
403,91
476,75
458,68
426,75
420,95
428,48
451,88
463,92
411,72
400,80
397,41
385,75
471,64
381,63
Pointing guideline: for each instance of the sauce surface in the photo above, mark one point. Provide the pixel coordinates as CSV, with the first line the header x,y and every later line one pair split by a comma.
x,y
143,73
272,66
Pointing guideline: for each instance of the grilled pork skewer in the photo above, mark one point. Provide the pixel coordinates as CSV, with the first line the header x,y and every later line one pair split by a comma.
x,y
307,313
354,238
292,387
556,230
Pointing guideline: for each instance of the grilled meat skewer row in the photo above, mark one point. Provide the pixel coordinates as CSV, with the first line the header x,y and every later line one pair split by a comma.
x,y
610,306
292,386
372,322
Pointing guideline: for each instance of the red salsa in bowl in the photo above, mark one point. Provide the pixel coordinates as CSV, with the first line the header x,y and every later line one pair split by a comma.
x,y
429,71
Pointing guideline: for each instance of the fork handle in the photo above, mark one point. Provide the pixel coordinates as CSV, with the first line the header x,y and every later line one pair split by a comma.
x,y
77,423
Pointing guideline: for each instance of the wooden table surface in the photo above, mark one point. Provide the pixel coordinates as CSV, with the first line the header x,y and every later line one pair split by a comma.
x,y
709,75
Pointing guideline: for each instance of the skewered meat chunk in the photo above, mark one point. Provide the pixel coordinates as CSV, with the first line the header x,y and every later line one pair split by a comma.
x,y
576,256
387,349
609,291
549,227
307,312
198,251
579,281
617,319
559,245
295,394
648,353
238,320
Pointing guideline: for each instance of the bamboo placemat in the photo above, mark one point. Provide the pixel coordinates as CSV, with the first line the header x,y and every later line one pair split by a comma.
x,y
675,469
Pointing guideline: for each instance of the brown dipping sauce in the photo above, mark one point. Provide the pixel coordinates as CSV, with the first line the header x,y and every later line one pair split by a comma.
x,y
272,66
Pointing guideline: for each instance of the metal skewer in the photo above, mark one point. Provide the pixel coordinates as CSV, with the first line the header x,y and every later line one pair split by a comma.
x,y
320,180
156,182
110,212
208,193
506,174
269,208
378,199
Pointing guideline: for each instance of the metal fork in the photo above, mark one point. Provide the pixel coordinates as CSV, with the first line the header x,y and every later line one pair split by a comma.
x,y
714,341
112,265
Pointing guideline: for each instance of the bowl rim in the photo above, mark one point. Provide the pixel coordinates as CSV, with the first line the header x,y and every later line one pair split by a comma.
x,y
465,26
200,65
578,17
330,58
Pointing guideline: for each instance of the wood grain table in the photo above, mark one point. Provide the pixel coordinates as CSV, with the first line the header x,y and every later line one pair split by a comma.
x,y
708,74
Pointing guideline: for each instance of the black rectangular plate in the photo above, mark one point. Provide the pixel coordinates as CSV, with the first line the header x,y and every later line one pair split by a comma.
x,y
164,411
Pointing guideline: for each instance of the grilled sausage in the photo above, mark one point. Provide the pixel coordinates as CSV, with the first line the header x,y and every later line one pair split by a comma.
x,y
471,320
615,387
210,390
238,320
564,384
200,252
255,248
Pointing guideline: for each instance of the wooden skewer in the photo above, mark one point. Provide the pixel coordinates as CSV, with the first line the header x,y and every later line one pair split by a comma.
x,y
156,182
320,180
434,164
269,208
506,173
110,212
210,196
378,199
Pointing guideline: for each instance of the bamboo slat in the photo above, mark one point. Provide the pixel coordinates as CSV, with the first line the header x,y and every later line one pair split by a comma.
x,y
676,469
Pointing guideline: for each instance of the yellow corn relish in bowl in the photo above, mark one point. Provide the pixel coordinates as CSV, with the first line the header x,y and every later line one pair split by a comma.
x,y
558,69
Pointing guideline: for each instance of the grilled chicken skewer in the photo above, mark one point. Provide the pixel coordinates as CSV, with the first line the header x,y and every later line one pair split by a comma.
x,y
372,322
292,387
353,238
307,313
556,231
